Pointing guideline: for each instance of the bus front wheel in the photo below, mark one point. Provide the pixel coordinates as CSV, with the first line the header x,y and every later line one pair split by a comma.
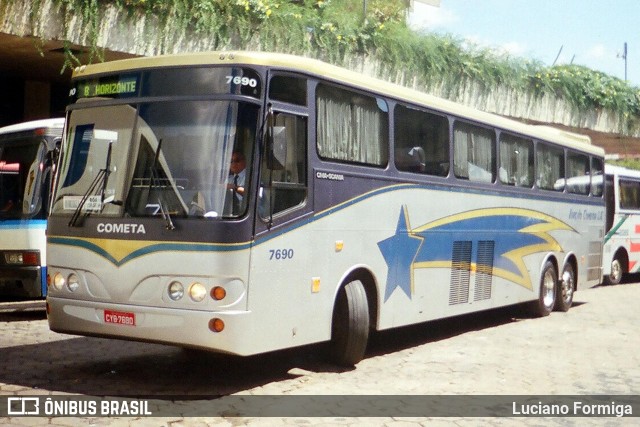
x,y
350,325
547,295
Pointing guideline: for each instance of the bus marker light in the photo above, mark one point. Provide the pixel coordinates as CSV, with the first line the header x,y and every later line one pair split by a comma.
x,y
30,258
218,293
315,284
216,324
13,258
22,258
339,245
176,291
197,292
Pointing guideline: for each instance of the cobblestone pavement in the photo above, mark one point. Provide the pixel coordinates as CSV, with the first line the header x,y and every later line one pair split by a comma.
x,y
592,349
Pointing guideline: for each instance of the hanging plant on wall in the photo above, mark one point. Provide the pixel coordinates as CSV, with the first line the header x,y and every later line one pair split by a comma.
x,y
337,32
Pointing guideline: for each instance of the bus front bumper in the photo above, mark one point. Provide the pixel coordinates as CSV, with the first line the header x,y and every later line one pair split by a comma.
x,y
179,327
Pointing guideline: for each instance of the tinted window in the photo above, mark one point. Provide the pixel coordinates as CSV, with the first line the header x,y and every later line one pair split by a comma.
x,y
201,81
289,178
292,90
550,168
516,161
421,142
578,173
597,173
629,194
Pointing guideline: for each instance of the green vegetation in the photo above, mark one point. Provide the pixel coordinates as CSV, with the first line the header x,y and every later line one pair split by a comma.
x,y
336,31
627,163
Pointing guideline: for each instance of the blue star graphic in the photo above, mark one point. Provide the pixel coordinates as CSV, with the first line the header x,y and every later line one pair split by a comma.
x,y
399,252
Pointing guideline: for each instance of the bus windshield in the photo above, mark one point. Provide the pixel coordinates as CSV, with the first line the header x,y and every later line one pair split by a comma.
x,y
164,158
21,165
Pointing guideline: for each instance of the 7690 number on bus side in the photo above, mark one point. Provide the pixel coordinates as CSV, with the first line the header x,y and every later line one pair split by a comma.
x,y
280,254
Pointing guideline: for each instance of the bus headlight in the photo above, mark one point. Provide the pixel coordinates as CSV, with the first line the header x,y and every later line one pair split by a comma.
x,y
58,281
176,291
197,292
73,283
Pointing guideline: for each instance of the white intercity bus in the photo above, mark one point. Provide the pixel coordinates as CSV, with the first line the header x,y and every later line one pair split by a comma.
x,y
621,253
27,157
363,206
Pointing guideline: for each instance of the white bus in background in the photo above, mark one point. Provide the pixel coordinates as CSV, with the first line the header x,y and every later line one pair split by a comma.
x,y
28,152
622,239
365,206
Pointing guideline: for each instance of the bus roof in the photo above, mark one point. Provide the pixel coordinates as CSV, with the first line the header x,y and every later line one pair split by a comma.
x,y
54,124
621,171
327,71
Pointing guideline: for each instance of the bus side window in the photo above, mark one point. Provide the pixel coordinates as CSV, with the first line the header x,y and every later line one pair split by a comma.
x,y
597,174
578,173
550,168
286,187
516,161
474,155
421,142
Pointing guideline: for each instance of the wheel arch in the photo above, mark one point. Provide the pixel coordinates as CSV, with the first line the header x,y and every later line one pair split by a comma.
x,y
622,255
554,260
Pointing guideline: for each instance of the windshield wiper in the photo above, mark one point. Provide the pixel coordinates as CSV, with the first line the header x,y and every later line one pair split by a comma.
x,y
155,181
166,215
100,181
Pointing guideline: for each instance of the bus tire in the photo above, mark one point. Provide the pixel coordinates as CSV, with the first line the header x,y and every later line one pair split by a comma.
x,y
616,273
350,325
566,286
547,295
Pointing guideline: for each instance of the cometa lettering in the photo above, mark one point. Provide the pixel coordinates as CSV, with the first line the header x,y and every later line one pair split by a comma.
x,y
121,228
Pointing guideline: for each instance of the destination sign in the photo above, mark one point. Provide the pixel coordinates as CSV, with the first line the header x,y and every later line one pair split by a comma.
x,y
161,82
109,88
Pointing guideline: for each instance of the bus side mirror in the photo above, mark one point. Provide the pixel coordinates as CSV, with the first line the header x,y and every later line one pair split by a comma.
x,y
277,148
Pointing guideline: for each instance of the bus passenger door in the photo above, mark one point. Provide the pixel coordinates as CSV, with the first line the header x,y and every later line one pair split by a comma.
x,y
281,254
283,188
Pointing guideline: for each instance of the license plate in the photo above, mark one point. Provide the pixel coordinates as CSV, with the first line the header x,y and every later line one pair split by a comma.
x,y
119,317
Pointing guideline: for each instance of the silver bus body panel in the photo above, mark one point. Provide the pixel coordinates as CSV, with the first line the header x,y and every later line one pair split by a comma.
x,y
280,307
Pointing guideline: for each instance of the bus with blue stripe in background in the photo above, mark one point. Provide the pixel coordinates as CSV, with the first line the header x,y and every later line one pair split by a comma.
x,y
28,153
364,206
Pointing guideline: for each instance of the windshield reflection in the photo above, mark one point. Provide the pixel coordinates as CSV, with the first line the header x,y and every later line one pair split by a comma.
x,y
175,161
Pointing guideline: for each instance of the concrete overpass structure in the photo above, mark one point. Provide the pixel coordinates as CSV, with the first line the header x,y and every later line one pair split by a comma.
x,y
33,87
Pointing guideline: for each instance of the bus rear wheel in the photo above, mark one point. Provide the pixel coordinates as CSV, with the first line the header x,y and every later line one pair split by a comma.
x,y
564,299
547,295
350,325
616,272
